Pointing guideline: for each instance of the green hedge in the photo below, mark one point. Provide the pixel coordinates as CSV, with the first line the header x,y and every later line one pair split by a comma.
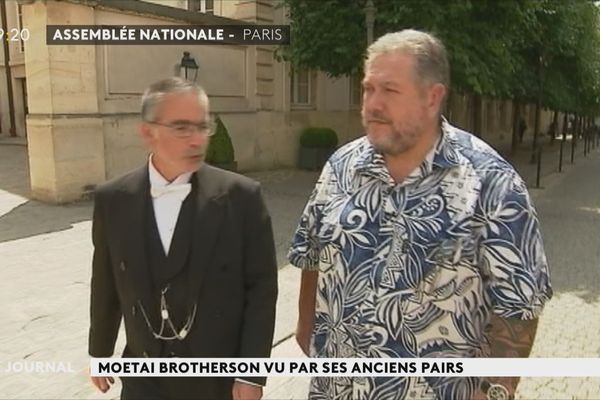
x,y
220,148
318,138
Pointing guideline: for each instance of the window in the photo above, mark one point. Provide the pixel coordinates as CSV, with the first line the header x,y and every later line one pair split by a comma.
x,y
203,6
300,87
207,6
194,5
356,89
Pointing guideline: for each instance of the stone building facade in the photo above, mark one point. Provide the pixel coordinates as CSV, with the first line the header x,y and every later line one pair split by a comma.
x,y
78,105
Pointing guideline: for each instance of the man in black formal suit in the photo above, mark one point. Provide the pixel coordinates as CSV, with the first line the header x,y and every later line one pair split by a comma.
x,y
184,253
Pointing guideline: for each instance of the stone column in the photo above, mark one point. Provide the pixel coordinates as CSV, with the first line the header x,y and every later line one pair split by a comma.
x,y
64,128
269,143
260,12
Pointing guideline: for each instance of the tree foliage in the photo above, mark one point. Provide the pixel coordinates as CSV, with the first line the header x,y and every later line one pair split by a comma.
x,y
529,50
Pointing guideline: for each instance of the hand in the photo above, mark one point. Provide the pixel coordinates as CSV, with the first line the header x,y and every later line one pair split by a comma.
x,y
246,391
102,382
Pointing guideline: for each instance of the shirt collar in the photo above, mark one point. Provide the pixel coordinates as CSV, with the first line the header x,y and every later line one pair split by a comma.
x,y
157,180
442,155
446,155
371,163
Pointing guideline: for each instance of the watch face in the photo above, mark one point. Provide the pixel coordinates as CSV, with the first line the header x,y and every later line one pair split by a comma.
x,y
497,392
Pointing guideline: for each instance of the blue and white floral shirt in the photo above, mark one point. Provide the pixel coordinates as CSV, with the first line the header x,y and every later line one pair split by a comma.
x,y
415,269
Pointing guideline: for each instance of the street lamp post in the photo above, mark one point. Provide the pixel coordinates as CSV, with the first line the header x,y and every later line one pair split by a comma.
x,y
190,67
536,133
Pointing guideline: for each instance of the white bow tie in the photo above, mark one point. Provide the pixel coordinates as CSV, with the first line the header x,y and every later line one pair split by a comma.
x,y
181,190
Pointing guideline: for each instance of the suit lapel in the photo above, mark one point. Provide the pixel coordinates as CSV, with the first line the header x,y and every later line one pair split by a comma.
x,y
208,220
210,206
133,225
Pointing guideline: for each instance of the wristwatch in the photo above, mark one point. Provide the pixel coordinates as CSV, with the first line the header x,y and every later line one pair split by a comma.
x,y
495,391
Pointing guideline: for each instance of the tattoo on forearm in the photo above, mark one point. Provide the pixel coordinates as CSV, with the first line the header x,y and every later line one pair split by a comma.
x,y
511,337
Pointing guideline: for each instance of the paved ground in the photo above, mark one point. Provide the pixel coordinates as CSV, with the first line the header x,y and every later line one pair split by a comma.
x,y
45,254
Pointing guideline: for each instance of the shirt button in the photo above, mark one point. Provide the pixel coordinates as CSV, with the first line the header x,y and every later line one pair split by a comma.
x,y
133,311
122,266
145,354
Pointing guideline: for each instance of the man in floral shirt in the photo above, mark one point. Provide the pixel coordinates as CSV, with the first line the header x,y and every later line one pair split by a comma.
x,y
419,240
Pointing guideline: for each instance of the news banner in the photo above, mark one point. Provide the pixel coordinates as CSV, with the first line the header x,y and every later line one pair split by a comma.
x,y
350,367
167,34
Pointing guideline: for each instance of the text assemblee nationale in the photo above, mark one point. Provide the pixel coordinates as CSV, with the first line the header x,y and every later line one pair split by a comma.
x,y
137,33
161,34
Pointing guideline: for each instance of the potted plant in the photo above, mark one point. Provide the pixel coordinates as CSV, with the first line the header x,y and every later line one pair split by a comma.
x,y
220,151
316,146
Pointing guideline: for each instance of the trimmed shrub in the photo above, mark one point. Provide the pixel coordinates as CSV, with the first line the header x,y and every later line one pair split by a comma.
x,y
220,149
318,138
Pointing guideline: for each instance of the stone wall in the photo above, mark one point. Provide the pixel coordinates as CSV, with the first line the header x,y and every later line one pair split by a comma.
x,y
84,101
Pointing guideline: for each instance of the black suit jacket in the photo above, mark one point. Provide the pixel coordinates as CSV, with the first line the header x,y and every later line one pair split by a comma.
x,y
233,270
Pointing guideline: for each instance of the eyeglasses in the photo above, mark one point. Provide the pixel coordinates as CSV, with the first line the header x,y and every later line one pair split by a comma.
x,y
187,129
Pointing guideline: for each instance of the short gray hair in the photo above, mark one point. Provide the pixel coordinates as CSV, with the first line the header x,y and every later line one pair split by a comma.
x,y
431,59
155,93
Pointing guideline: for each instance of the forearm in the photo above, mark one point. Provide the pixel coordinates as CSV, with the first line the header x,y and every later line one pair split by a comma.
x,y
259,299
105,309
306,309
510,338
307,299
259,318
260,281
105,319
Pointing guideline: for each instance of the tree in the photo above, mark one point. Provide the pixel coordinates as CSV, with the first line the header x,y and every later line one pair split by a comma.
x,y
327,35
532,51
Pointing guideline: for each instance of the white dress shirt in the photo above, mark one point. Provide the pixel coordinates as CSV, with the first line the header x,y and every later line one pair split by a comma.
x,y
168,205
